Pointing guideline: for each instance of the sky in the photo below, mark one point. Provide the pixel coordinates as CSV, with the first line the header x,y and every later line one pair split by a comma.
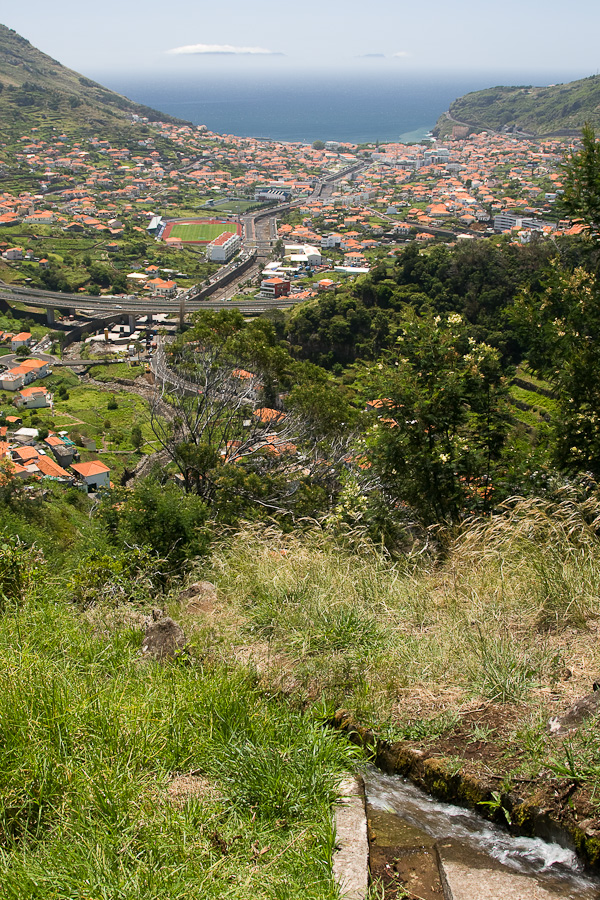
x,y
175,38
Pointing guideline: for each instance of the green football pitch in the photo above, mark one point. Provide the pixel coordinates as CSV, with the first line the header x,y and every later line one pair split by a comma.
x,y
198,231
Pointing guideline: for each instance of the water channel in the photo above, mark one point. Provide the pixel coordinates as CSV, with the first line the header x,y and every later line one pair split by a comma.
x,y
471,839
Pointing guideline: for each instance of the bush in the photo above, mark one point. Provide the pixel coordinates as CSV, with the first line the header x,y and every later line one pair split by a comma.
x,y
161,518
117,577
18,564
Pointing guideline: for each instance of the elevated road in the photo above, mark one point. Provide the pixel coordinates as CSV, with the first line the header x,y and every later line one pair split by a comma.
x,y
260,229
99,306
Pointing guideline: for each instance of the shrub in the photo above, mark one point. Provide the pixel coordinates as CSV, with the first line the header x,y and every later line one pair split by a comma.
x,y
159,517
17,566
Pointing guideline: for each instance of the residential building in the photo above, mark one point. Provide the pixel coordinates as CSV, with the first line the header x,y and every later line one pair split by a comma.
x,y
93,474
274,288
160,287
34,398
224,247
23,339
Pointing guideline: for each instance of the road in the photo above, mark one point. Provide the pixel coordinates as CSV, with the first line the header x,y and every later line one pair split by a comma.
x,y
260,229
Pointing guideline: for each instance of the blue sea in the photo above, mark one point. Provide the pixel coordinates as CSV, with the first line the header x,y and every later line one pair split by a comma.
x,y
358,107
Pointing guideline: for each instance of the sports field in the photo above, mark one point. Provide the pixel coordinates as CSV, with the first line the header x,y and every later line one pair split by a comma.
x,y
198,231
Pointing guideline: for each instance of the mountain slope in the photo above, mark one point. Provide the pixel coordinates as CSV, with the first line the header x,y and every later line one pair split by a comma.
x,y
37,91
556,109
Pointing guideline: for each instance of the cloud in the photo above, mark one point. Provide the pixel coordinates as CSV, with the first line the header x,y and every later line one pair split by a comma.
x,y
221,49
372,56
401,54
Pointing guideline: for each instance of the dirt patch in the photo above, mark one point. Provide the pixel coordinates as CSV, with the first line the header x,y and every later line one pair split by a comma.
x,y
191,787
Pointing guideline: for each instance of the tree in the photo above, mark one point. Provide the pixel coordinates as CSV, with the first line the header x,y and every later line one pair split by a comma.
x,y
218,403
581,198
441,421
318,145
561,324
137,438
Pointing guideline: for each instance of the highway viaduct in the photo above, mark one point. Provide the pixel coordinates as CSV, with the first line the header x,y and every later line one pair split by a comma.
x,y
110,309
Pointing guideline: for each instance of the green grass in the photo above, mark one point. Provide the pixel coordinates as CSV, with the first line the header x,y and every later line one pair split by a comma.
x,y
526,417
117,370
94,745
233,206
198,231
123,778
538,402
86,412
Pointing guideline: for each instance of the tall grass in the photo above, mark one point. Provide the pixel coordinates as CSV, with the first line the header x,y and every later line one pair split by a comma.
x,y
359,629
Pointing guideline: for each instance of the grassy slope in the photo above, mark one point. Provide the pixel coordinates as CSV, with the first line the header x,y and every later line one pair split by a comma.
x,y
38,91
475,652
127,780
535,110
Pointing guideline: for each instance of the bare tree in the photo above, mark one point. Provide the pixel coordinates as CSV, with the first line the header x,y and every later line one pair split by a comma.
x,y
217,417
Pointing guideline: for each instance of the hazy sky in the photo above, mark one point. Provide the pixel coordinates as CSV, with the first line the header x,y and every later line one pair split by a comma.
x,y
195,35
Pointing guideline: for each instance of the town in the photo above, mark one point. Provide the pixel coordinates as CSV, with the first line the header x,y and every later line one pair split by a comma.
x,y
162,218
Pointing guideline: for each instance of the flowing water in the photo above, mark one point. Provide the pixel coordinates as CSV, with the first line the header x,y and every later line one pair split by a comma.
x,y
550,863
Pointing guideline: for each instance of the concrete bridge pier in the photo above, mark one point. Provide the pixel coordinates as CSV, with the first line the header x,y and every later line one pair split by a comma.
x,y
73,312
131,320
182,312
50,316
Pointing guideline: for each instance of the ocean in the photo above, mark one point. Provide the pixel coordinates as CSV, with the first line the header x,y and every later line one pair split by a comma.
x,y
359,108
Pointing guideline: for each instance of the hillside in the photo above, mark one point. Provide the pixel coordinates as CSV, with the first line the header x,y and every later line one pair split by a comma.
x,y
556,109
37,91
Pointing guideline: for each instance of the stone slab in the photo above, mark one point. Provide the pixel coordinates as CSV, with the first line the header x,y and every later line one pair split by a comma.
x,y
402,857
469,875
351,857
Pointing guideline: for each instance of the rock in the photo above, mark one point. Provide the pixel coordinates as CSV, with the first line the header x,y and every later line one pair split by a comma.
x,y
164,640
199,590
580,711
400,854
201,597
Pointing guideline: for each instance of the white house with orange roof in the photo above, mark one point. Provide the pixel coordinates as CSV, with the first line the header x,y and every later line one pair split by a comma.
x,y
93,475
29,370
23,339
162,288
13,253
36,397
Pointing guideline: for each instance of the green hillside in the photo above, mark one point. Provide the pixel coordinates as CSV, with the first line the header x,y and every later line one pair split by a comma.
x,y
556,109
36,90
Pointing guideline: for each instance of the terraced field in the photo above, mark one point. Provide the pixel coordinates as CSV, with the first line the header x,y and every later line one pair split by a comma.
x,y
531,399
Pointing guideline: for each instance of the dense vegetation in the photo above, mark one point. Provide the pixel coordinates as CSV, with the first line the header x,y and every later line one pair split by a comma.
x,y
556,109
478,280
